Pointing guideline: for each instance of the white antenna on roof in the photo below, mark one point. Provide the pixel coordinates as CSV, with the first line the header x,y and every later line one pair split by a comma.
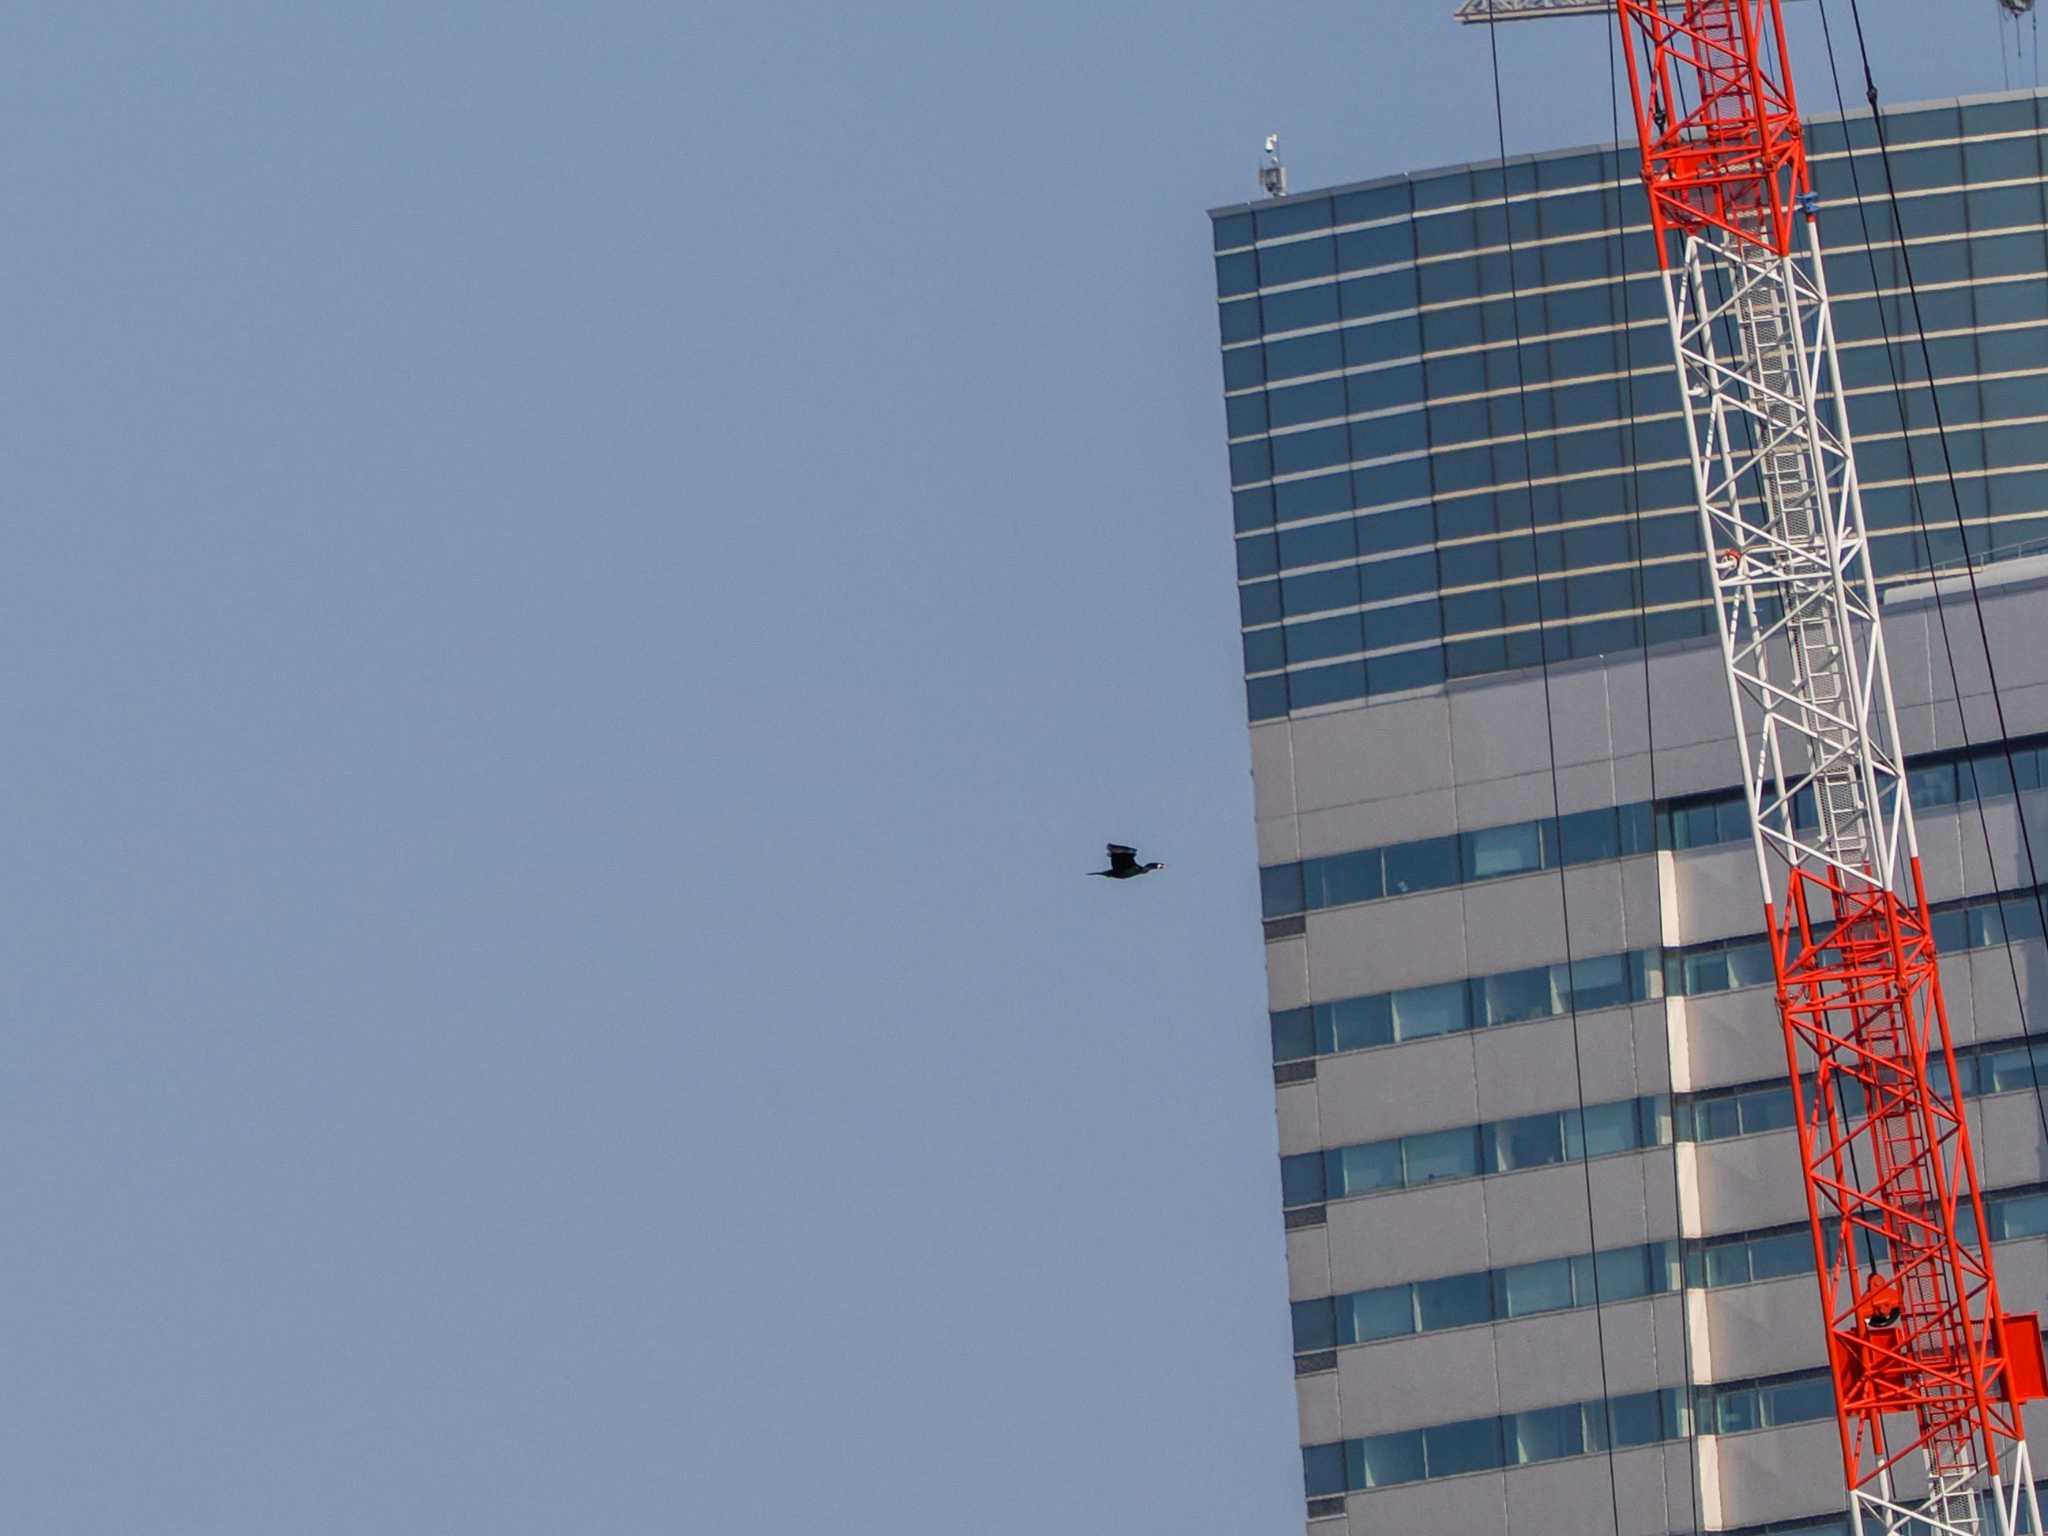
x,y
1273,175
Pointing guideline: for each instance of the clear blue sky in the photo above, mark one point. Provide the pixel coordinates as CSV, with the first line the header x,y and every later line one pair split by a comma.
x,y
581,586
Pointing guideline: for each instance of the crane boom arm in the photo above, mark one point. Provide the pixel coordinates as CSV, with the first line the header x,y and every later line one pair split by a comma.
x,y
1929,1372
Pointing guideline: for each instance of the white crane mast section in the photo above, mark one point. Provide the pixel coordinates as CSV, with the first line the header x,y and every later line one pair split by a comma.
x,y
1782,520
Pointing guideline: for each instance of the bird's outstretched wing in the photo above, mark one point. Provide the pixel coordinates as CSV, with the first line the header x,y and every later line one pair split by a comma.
x,y
1121,857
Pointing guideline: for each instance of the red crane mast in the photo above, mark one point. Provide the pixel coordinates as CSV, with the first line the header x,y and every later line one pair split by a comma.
x,y
1929,1372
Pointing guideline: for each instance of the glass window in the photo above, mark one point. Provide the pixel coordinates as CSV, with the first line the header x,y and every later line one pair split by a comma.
x,y
1232,230
2005,1071
1342,878
1307,402
1532,1141
1692,826
1244,367
1381,246
1951,930
1361,1169
1265,698
1749,965
1545,1434
1259,603
1322,1469
1315,543
1728,1264
1589,835
1405,669
1301,1179
1326,685
1706,972
1399,528
1426,865
1987,776
1252,509
1383,1460
1735,1410
1985,925
1731,819
1528,1289
1602,981
1405,625
2022,917
1433,1155
1244,414
2021,1216
1319,591
1293,1035
1299,308
1420,1012
1278,219
1502,850
1280,890
1359,1023
1798,1402
1297,261
2027,767
1787,1253
1384,485
1238,320
1382,293
1608,1128
1386,201
1513,996
1470,1446
1765,1109
1250,461
1364,1317
1312,448
1643,1418
1932,784
1664,1266
1298,355
1645,974
1469,658
1315,1325
1621,1274
1454,1302
1398,576
1315,497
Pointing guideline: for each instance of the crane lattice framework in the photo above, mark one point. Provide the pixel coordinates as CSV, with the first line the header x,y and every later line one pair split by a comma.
x,y
1929,1372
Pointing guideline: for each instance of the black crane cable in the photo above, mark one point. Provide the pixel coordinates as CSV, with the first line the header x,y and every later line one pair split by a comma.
x,y
1634,504
1920,521
1550,742
1920,517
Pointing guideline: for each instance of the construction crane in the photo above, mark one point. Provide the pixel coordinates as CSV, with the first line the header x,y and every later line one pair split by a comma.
x,y
1930,1372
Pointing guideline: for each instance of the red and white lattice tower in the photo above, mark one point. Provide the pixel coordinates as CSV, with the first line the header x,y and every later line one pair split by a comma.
x,y
1929,1372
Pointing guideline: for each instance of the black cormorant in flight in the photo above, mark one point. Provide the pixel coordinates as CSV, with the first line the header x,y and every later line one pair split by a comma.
x,y
1124,865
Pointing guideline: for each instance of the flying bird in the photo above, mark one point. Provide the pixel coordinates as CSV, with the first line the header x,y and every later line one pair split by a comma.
x,y
1124,865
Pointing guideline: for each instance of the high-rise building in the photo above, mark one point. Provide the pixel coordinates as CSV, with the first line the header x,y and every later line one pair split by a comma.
x,y
1547,1244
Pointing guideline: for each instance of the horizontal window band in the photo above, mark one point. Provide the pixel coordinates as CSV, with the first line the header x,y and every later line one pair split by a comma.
x,y
1710,819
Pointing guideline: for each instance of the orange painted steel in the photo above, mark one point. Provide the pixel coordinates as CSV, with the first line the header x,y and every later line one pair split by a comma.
x,y
1915,1329
1716,118
1926,1364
